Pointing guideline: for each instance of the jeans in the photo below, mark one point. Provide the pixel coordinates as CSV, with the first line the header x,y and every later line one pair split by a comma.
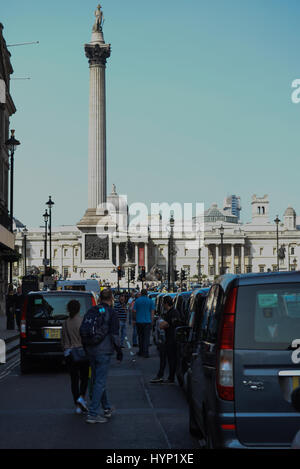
x,y
100,366
144,331
122,332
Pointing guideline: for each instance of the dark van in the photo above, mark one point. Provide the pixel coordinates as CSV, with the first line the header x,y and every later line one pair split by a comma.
x,y
41,323
244,368
181,303
186,335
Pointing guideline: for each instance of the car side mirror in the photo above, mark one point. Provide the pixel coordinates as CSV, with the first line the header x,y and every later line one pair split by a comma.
x,y
182,334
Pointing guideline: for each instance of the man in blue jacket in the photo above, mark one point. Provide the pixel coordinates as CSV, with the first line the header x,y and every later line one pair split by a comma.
x,y
100,357
143,317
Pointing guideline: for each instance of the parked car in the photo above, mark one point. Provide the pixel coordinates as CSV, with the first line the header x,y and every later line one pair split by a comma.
x,y
41,323
243,373
181,303
186,335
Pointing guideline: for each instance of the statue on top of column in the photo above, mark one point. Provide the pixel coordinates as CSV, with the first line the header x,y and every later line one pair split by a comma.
x,y
99,20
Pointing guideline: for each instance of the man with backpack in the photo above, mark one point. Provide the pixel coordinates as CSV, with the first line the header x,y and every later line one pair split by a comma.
x,y
100,338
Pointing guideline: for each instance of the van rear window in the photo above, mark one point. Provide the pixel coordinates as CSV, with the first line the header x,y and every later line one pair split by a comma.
x,y
55,306
267,316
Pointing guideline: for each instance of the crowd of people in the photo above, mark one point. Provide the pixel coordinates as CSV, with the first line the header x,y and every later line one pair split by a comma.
x,y
89,342
137,311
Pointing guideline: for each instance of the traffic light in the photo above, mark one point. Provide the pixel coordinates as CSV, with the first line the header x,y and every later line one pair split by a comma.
x,y
119,273
143,273
182,275
176,275
132,275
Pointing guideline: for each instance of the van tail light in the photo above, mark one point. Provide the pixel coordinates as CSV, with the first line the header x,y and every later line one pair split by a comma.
x,y
94,301
23,319
225,383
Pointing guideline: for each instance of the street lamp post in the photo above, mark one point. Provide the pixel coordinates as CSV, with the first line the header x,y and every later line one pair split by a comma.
x,y
222,248
171,253
46,218
50,203
277,240
11,146
199,264
25,232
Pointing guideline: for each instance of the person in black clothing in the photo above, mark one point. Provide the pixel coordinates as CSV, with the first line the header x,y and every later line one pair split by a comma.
x,y
10,308
168,350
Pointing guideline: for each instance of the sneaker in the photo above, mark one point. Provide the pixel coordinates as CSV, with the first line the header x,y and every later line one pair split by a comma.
x,y
78,410
108,412
82,404
157,380
98,419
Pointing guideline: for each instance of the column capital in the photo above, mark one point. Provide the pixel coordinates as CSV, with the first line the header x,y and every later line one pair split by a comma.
x,y
97,53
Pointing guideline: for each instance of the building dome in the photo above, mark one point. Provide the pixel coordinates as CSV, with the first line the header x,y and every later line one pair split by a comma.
x,y
215,214
290,212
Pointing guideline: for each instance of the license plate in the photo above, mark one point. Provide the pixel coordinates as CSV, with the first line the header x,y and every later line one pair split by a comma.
x,y
52,333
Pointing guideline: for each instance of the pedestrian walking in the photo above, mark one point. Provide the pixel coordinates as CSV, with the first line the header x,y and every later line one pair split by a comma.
x,y
121,310
100,336
168,348
135,339
78,366
10,308
143,314
19,301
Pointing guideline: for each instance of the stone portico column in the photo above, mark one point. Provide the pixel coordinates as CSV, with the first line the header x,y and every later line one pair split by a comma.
x,y
205,260
232,259
146,257
117,254
242,259
136,259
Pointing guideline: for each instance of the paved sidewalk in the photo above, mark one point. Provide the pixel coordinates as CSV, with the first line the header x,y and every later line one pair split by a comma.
x,y
4,333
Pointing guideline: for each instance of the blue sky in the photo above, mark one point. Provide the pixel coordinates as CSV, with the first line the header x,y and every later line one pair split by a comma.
x,y
198,102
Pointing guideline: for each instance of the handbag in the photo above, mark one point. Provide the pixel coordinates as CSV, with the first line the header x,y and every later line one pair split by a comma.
x,y
77,354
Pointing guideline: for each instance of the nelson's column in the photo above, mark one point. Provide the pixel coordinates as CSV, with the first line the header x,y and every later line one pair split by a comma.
x,y
97,250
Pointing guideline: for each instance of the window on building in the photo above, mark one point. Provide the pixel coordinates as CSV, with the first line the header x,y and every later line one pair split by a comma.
x,y
292,251
211,270
237,269
186,252
65,252
261,250
262,268
41,252
76,252
55,253
274,251
249,269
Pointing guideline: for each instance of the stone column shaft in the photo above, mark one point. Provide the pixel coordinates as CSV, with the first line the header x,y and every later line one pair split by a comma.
x,y
97,137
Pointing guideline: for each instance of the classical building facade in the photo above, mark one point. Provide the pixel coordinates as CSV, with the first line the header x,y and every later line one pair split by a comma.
x,y
248,247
